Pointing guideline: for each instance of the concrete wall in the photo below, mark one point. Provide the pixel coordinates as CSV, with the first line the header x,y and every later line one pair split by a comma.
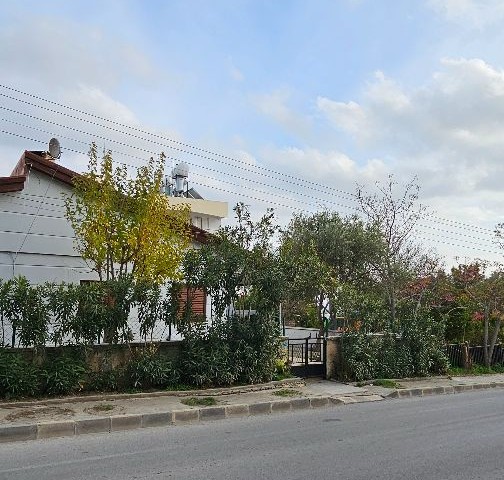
x,y
205,214
301,332
103,356
333,356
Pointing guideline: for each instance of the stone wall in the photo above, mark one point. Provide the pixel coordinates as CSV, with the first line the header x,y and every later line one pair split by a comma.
x,y
103,356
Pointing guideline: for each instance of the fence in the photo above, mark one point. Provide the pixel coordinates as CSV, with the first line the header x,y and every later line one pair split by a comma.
x,y
307,356
476,355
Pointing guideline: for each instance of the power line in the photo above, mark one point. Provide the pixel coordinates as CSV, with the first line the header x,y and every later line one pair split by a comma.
x,y
150,152
71,267
424,216
242,194
37,200
444,242
448,234
145,132
228,174
186,145
269,202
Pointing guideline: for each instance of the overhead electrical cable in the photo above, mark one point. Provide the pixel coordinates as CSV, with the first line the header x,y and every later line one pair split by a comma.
x,y
184,144
426,216
262,200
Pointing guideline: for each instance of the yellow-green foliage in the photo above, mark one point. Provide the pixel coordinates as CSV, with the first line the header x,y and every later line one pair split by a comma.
x,y
126,225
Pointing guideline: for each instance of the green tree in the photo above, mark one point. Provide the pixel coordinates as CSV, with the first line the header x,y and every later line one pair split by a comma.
x,y
239,267
126,226
328,259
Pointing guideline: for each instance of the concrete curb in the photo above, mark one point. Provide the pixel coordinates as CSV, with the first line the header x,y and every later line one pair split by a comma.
x,y
288,382
115,423
442,390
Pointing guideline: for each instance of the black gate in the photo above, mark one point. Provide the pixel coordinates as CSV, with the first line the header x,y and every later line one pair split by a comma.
x,y
307,356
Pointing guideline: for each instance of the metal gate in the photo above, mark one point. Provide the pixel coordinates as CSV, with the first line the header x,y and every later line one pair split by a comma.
x,y
307,356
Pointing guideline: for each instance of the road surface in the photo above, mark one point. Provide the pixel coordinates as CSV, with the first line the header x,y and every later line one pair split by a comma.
x,y
442,437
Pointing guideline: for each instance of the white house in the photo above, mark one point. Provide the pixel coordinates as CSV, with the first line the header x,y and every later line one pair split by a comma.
x,y
37,241
35,238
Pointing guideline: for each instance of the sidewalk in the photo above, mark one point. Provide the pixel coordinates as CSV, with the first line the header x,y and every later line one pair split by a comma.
x,y
30,420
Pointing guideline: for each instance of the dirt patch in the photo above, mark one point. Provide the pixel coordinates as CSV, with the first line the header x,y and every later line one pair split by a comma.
x,y
104,408
40,413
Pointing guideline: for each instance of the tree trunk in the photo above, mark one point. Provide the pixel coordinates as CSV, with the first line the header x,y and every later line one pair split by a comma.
x,y
466,356
493,341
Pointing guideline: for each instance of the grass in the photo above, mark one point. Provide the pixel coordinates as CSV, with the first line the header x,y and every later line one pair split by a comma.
x,y
287,392
380,382
199,401
385,382
475,370
180,387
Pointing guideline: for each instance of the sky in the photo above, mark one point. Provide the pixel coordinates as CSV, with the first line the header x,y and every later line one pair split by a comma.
x,y
286,104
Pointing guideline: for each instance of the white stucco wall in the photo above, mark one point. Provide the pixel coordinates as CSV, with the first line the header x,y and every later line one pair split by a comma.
x,y
35,239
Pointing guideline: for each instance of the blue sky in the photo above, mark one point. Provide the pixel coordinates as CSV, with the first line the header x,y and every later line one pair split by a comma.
x,y
330,92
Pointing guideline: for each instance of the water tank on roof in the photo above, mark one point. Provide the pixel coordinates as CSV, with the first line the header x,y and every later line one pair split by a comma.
x,y
179,174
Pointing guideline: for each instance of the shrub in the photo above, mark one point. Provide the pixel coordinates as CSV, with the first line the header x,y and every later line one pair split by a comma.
x,y
106,381
417,350
205,357
18,378
149,369
239,350
359,356
63,374
199,401
256,347
282,368
25,307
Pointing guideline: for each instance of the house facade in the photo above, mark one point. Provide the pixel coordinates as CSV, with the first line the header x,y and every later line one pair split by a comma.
x,y
38,242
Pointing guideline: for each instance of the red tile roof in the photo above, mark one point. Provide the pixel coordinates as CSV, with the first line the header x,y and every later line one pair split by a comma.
x,y
36,161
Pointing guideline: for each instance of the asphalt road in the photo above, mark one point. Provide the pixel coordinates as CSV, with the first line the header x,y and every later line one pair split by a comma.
x,y
442,437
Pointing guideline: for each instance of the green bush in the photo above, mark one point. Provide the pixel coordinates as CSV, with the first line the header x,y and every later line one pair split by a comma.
x,y
416,350
239,350
25,307
148,369
282,368
18,378
256,347
205,357
106,381
63,374
360,359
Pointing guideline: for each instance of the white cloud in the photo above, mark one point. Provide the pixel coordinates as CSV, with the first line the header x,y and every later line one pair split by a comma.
x,y
470,13
349,116
448,131
330,167
93,99
457,113
385,93
275,106
68,54
75,65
